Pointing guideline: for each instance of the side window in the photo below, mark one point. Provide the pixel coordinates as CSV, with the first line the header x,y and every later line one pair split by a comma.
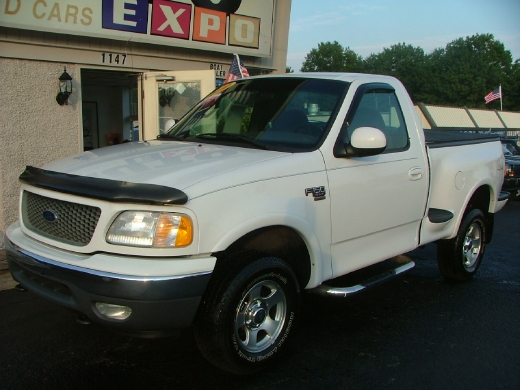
x,y
379,108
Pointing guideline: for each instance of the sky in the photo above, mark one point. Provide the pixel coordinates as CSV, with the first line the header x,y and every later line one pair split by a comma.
x,y
369,26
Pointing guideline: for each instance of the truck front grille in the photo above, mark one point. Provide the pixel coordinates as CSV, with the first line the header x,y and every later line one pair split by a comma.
x,y
67,222
516,170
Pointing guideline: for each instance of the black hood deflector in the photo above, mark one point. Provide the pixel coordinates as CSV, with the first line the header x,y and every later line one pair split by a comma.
x,y
103,189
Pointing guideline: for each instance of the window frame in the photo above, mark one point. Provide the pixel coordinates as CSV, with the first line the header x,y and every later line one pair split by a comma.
x,y
356,101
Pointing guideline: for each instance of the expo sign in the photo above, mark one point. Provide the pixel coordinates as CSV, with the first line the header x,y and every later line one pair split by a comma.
x,y
181,20
232,26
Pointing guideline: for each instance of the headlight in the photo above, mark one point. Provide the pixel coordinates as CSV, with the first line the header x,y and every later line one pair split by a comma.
x,y
508,171
149,229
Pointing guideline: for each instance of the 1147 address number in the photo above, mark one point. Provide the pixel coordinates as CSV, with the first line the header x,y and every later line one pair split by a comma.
x,y
113,58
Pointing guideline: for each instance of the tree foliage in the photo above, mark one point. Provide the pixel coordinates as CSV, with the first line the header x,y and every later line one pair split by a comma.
x,y
460,74
512,88
405,62
332,57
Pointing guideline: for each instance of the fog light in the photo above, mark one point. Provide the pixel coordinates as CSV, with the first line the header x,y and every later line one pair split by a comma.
x,y
113,312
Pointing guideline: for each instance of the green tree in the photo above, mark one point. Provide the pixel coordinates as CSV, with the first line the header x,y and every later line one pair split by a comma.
x,y
468,68
405,62
460,74
353,61
511,88
332,57
288,69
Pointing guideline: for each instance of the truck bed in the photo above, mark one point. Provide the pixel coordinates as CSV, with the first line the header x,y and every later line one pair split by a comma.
x,y
446,138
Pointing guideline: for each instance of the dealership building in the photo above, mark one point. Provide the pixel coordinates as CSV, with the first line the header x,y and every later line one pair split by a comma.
x,y
80,75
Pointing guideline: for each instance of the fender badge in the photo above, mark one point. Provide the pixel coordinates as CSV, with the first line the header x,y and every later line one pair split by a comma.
x,y
49,216
317,192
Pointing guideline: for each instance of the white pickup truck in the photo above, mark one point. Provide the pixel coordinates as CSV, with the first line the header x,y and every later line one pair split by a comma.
x,y
269,186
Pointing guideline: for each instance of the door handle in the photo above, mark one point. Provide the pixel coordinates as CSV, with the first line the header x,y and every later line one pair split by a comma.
x,y
415,173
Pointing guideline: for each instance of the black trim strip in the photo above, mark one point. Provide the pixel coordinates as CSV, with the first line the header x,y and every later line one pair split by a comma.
x,y
439,215
446,138
103,189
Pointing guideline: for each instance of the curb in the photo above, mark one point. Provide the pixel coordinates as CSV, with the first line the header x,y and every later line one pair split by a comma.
x,y
3,260
6,281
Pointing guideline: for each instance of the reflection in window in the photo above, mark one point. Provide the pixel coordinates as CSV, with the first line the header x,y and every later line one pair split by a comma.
x,y
282,113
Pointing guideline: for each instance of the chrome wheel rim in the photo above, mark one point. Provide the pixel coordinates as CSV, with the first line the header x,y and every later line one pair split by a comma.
x,y
260,316
472,246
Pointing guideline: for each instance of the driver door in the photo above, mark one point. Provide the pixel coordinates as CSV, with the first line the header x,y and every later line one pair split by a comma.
x,y
377,202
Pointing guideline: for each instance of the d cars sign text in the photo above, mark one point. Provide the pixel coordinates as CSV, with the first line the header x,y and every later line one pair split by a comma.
x,y
232,26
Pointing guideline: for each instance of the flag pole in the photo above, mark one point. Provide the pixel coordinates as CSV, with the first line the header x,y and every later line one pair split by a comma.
x,y
500,91
238,62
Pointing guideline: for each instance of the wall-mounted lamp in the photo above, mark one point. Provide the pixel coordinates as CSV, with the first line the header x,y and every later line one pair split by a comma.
x,y
65,88
163,77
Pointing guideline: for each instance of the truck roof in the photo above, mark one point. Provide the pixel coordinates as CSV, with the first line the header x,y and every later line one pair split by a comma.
x,y
347,77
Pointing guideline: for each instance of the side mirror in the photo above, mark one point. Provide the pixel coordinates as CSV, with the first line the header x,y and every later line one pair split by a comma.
x,y
364,142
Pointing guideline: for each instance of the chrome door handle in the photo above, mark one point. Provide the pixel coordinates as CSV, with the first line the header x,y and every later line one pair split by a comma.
x,y
415,173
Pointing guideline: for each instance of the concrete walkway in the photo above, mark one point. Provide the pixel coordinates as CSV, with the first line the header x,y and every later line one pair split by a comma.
x,y
6,281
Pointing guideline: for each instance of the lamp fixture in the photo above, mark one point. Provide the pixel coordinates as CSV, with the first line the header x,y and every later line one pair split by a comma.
x,y
65,88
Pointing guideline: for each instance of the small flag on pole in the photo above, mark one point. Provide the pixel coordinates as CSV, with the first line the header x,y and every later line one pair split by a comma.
x,y
493,95
237,70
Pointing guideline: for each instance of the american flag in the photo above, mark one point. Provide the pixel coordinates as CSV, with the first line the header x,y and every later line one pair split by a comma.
x,y
493,95
237,70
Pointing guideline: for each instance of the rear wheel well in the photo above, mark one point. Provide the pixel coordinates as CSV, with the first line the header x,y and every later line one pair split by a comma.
x,y
481,200
278,241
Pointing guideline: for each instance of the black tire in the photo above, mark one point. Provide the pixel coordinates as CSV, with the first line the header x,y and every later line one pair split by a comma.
x,y
460,257
247,314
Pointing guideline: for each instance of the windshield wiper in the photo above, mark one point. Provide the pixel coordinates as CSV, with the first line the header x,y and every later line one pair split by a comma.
x,y
168,136
232,137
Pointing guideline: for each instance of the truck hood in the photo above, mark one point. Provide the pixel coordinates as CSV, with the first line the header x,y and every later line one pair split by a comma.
x,y
513,159
168,163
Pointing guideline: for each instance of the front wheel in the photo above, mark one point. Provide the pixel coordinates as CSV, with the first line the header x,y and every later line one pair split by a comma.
x,y
460,257
248,313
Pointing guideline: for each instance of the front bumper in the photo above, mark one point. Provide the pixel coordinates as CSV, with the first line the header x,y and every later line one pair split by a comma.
x,y
159,303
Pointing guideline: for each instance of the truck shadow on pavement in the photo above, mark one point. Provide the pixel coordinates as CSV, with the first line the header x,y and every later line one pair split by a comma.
x,y
415,331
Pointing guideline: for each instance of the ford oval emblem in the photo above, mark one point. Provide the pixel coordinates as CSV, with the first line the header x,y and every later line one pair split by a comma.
x,y
49,216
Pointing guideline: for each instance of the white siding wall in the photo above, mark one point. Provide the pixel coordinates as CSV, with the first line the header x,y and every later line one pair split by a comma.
x,y
511,119
34,129
450,116
486,119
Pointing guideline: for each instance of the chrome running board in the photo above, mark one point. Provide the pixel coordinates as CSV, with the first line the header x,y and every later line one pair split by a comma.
x,y
400,264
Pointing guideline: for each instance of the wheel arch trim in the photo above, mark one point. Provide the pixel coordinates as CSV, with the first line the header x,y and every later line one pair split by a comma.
x,y
320,262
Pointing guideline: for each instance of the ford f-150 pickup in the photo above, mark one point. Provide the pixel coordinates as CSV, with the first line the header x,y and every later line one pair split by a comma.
x,y
270,186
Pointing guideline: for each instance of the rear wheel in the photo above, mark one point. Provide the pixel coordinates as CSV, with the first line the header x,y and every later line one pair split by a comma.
x,y
460,257
248,313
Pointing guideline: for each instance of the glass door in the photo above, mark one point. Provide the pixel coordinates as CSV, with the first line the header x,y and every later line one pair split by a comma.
x,y
167,96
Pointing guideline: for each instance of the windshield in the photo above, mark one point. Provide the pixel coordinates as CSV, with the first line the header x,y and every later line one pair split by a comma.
x,y
510,148
506,151
284,114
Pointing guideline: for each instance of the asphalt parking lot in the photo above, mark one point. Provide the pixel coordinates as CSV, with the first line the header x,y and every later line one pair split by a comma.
x,y
415,332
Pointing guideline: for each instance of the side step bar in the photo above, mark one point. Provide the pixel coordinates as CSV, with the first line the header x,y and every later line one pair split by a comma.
x,y
399,265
